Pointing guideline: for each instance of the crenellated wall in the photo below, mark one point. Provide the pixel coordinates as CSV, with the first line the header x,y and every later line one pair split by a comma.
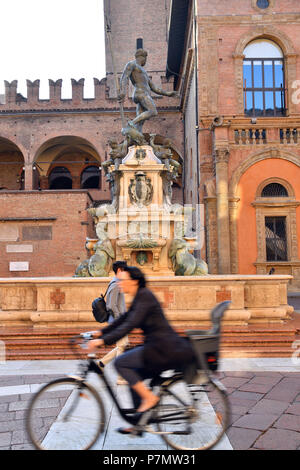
x,y
104,92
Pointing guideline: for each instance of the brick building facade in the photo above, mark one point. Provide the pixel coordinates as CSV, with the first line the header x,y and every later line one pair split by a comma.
x,y
51,150
238,74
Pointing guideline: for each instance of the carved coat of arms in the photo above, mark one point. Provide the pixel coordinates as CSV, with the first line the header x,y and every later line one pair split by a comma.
x,y
140,189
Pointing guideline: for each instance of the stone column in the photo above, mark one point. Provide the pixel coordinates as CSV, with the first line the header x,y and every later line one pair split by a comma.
x,y
75,181
44,184
233,208
28,177
222,156
211,233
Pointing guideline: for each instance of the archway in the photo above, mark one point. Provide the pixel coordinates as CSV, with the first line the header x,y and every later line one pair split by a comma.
x,y
60,178
11,166
72,153
264,187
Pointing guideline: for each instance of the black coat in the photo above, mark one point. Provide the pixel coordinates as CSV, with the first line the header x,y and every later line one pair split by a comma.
x,y
163,348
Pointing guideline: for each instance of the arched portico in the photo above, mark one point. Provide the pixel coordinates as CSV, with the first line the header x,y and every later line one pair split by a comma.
x,y
73,153
12,164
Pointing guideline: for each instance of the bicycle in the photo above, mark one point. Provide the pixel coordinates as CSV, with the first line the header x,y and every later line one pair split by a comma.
x,y
193,412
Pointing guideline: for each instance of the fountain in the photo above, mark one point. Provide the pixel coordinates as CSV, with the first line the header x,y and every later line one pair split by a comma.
x,y
141,225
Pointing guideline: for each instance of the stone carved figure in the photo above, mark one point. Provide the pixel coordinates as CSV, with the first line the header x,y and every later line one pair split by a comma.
x,y
142,258
167,180
116,154
83,269
143,85
164,153
140,189
114,182
99,216
100,263
183,262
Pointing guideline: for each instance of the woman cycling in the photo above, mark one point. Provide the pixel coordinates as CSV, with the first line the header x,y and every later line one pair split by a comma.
x,y
162,349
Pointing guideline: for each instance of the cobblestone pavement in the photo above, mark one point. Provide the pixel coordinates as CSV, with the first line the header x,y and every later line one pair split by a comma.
x,y
265,404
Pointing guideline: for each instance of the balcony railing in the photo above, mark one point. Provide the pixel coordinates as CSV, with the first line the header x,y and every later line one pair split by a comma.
x,y
261,136
250,136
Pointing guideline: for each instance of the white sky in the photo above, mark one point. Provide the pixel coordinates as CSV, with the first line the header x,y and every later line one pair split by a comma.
x,y
42,39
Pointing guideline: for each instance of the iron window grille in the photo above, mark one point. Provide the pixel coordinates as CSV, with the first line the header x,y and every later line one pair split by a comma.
x,y
274,190
276,243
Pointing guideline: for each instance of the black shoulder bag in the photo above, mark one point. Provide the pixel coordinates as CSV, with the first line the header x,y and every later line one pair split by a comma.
x,y
100,311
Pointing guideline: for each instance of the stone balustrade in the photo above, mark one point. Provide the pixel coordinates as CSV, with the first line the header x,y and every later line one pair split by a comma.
x,y
289,135
261,136
252,136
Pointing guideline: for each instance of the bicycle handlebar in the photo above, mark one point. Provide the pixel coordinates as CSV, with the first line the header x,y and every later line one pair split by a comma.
x,y
80,340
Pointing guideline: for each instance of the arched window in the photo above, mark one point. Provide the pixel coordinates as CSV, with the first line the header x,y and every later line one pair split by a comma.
x,y
263,75
60,178
263,4
274,190
90,178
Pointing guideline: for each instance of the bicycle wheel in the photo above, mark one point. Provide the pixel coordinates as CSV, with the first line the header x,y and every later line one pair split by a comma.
x,y
193,417
65,414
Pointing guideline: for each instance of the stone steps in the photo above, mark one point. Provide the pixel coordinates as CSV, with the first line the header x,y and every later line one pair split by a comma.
x,y
53,343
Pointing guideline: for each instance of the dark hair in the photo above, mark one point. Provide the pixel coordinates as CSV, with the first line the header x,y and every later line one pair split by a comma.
x,y
136,274
119,265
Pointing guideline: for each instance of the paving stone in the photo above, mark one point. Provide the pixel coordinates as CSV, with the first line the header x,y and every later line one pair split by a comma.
x,y
18,405
266,406
8,398
261,422
262,379
20,437
241,406
288,421
278,439
285,390
235,382
242,439
294,409
240,374
269,373
234,418
10,380
13,425
293,375
259,388
25,446
5,439
39,379
247,395
7,416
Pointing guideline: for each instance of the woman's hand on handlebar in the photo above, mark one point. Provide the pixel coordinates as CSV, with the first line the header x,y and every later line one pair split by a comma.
x,y
97,334
92,345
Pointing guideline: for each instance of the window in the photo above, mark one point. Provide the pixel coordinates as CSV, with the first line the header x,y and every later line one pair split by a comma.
x,y
274,190
276,244
139,43
60,178
263,4
263,77
90,178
